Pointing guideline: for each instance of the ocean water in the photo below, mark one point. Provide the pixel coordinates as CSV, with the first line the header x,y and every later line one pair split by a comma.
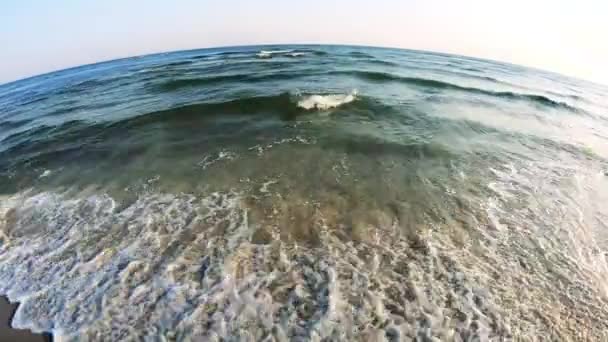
x,y
305,193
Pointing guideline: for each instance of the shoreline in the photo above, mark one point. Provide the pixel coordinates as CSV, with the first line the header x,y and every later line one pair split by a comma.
x,y
7,333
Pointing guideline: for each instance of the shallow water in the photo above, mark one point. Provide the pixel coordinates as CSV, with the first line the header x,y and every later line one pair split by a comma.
x,y
305,193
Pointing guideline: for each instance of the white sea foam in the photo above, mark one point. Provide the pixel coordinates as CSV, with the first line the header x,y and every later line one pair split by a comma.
x,y
260,149
44,174
325,102
263,55
270,53
296,54
185,267
213,158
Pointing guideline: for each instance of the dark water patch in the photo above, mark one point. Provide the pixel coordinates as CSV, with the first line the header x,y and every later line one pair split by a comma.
x,y
471,69
198,57
34,100
380,62
373,146
222,55
361,54
81,133
73,108
11,102
221,69
25,135
84,86
281,103
320,53
49,144
178,84
179,63
166,67
10,124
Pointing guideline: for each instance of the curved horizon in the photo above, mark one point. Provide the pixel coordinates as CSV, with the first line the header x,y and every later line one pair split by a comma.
x,y
297,45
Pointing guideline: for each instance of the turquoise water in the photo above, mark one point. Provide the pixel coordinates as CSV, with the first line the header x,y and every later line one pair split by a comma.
x,y
305,193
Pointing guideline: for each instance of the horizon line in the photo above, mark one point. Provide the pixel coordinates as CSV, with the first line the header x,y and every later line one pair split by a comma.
x,y
577,78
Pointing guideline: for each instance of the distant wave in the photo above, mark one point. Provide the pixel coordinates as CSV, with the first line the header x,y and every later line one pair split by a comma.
x,y
270,53
289,53
85,85
217,54
436,84
361,54
180,83
380,62
176,84
296,54
178,63
13,124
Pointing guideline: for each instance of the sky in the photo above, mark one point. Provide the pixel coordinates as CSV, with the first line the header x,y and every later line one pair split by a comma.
x,y
569,37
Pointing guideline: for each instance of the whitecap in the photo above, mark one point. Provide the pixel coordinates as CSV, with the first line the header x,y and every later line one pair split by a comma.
x,y
325,102
270,53
263,55
46,173
296,54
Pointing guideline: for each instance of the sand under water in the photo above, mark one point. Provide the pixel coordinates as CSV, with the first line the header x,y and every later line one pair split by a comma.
x,y
305,193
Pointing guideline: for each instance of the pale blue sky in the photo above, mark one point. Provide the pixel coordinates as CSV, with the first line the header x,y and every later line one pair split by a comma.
x,y
570,37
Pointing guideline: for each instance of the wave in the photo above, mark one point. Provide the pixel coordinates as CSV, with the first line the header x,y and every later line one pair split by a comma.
x,y
436,84
270,53
380,62
177,84
319,53
285,104
325,102
76,134
280,104
217,54
290,53
361,54
8,124
178,63
296,54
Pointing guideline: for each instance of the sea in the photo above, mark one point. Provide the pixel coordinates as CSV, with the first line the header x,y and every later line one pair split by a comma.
x,y
305,193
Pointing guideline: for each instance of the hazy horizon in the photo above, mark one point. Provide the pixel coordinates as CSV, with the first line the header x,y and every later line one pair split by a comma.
x,y
46,37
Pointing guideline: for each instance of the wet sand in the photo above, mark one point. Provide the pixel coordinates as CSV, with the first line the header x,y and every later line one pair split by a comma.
x,y
7,310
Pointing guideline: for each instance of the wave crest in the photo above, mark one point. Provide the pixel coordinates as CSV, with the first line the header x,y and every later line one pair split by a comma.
x,y
270,53
431,83
325,102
